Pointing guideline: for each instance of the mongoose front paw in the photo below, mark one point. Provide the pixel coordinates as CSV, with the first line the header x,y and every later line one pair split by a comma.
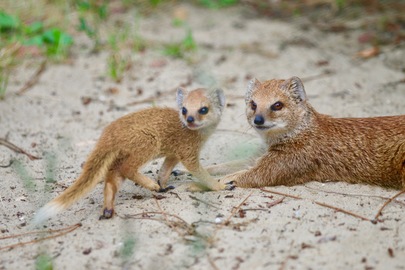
x,y
166,189
107,214
230,185
230,180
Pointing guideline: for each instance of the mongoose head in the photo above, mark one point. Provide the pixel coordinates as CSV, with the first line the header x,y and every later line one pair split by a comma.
x,y
276,107
200,108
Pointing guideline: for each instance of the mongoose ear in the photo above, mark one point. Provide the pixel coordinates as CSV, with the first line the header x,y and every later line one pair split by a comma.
x,y
181,93
296,87
217,96
252,85
221,97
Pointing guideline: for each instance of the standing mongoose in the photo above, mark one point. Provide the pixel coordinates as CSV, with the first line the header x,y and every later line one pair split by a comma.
x,y
304,145
133,140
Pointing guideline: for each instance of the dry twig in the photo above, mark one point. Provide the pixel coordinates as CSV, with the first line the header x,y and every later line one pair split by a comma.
x,y
379,213
204,202
8,165
282,194
146,215
152,99
325,73
175,194
318,203
341,210
33,80
353,194
273,203
212,263
168,223
234,211
62,232
16,149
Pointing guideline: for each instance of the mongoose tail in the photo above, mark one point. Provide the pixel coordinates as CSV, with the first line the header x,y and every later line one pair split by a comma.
x,y
95,168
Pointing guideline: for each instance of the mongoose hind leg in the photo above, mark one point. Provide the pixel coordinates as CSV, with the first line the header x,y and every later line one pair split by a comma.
x,y
113,182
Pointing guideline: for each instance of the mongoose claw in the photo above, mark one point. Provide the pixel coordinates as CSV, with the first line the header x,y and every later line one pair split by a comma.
x,y
166,189
107,214
230,185
178,172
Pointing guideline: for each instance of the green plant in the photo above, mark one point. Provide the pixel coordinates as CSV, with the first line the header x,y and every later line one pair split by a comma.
x,y
57,42
215,4
43,262
3,85
155,3
116,63
27,179
7,62
8,22
50,159
178,50
117,66
127,248
91,15
138,43
53,42
340,4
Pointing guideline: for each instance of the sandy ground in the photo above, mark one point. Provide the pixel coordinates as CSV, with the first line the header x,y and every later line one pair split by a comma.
x,y
267,231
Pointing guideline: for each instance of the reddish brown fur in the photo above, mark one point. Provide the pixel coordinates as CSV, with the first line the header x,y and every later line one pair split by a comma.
x,y
316,147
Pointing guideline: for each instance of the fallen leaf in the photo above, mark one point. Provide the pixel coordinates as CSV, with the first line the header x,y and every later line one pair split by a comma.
x,y
391,252
304,246
86,100
368,53
87,251
366,38
113,90
158,63
180,13
242,213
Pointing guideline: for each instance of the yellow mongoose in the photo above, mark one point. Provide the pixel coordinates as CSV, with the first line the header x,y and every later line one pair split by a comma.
x,y
131,141
304,145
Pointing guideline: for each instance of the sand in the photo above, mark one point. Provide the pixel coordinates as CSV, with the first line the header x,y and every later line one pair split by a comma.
x,y
240,229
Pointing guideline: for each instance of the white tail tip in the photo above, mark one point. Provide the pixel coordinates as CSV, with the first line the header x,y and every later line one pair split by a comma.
x,y
47,211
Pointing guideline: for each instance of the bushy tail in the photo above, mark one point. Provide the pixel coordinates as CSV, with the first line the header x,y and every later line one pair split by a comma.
x,y
95,168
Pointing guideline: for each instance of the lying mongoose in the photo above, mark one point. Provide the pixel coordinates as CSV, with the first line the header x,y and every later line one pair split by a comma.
x,y
133,140
304,145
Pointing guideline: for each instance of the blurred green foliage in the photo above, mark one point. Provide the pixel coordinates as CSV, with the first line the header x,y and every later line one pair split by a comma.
x,y
215,4
54,42
128,247
180,49
43,262
91,14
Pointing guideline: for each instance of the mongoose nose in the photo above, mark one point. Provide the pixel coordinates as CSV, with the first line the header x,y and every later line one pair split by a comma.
x,y
190,119
259,120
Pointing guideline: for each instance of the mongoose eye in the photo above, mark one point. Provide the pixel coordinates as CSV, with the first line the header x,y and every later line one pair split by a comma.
x,y
277,106
184,111
253,105
203,110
